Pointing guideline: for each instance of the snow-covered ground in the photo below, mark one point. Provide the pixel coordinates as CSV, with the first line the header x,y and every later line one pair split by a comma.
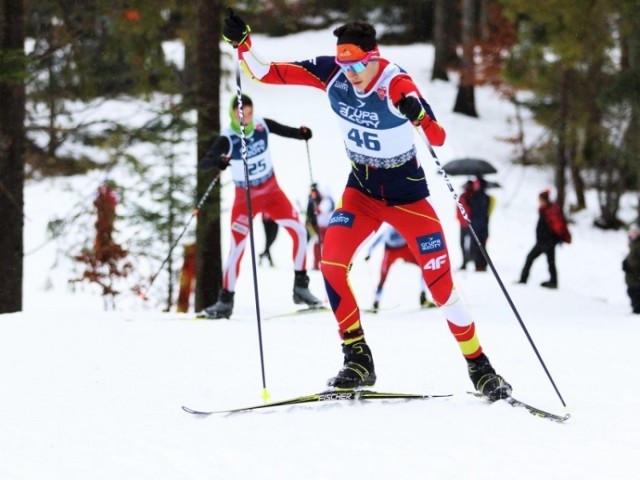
x,y
89,394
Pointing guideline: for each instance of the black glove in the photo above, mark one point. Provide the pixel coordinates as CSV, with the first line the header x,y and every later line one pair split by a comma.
x,y
235,30
305,133
411,108
222,162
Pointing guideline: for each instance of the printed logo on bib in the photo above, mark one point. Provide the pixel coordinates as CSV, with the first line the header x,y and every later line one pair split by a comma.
x,y
256,148
361,117
341,86
342,219
240,228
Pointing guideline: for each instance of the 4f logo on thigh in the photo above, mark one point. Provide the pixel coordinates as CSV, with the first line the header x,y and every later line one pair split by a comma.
x,y
435,263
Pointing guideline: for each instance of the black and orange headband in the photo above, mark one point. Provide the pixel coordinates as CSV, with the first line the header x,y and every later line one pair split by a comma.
x,y
347,53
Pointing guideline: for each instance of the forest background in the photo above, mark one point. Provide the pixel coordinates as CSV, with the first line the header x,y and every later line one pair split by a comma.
x,y
573,64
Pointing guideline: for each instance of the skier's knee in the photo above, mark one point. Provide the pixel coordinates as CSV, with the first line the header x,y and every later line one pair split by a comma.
x,y
443,293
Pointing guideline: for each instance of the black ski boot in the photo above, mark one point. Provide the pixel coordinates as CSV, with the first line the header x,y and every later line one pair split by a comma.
x,y
485,379
222,308
376,307
425,302
301,293
358,370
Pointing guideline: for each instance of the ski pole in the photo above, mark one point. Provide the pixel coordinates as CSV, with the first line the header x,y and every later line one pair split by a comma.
x,y
194,213
483,250
309,162
243,148
312,182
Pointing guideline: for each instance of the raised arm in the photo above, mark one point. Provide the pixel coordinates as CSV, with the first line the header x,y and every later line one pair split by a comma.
x,y
312,73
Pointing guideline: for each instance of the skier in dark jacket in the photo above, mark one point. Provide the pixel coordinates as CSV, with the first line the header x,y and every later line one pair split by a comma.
x,y
631,267
551,230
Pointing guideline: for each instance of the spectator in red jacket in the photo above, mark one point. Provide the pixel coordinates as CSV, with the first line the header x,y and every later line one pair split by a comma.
x,y
465,231
551,230
105,202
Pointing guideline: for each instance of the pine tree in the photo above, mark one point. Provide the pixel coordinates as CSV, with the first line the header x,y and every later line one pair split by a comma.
x,y
566,57
12,140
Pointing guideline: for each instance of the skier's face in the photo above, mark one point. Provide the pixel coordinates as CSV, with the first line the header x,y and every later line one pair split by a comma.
x,y
247,114
361,80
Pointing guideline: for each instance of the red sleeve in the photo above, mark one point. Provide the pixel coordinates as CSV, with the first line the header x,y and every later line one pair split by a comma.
x,y
403,86
291,74
312,73
464,201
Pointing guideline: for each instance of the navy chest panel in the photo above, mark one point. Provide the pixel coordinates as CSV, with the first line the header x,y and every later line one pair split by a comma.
x,y
257,143
370,111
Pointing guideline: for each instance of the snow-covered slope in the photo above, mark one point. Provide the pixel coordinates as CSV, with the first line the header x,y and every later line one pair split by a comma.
x,y
88,394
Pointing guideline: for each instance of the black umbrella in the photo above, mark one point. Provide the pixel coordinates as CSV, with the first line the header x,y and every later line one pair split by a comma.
x,y
469,166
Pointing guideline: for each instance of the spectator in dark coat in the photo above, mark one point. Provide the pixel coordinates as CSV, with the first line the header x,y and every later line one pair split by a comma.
x,y
551,230
631,267
479,203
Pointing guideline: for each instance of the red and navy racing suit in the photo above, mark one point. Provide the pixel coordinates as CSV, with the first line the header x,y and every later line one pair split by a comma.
x,y
386,183
266,195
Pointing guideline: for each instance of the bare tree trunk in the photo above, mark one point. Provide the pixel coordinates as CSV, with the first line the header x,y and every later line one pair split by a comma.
x,y
444,38
465,100
576,178
631,142
12,146
420,16
561,158
208,250
484,18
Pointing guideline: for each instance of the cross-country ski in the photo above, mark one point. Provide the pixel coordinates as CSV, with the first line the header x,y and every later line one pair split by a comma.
x,y
326,396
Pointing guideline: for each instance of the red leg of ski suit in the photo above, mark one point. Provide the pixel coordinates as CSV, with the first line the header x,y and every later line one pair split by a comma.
x,y
356,218
268,198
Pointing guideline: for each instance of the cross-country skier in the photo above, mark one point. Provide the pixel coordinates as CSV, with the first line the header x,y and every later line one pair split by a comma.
x,y
266,196
377,105
320,206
